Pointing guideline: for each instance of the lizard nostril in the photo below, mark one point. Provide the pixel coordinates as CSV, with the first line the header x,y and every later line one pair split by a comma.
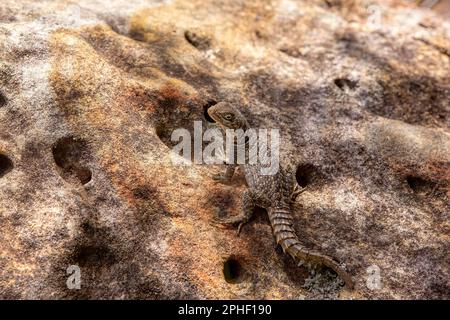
x,y
6,165
232,271
208,105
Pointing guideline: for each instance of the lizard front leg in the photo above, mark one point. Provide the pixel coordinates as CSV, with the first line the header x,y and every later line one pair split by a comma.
x,y
247,205
296,192
227,175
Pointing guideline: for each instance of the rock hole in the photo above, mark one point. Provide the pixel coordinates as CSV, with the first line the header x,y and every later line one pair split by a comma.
x,y
232,271
70,156
3,100
343,83
164,134
197,41
84,175
144,192
323,283
6,165
305,174
161,133
208,105
88,229
93,256
420,185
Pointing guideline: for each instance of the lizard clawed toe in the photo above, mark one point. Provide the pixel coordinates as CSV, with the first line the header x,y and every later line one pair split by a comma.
x,y
296,192
239,229
231,221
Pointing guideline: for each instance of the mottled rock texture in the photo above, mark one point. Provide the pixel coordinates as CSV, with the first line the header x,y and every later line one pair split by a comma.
x,y
90,92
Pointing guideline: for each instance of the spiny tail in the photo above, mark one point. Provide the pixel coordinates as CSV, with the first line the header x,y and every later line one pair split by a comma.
x,y
283,229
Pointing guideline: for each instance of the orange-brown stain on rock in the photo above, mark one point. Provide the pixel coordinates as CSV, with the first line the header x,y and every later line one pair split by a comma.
x,y
100,111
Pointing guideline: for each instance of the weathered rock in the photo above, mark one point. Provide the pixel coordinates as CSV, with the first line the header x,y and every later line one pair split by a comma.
x,y
90,93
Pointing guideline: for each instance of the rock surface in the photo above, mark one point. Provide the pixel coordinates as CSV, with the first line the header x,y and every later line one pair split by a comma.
x,y
90,92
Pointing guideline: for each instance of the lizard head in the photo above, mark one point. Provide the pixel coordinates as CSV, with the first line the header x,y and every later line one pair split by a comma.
x,y
227,116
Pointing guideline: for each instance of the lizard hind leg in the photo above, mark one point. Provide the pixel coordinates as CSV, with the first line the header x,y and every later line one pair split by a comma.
x,y
247,213
248,205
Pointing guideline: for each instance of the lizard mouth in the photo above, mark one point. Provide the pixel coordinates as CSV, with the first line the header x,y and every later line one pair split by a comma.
x,y
209,117
206,111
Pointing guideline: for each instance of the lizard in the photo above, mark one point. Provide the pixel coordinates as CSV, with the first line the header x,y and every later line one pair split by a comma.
x,y
271,192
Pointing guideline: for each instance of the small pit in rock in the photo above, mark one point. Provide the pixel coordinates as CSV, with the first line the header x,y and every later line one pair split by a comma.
x,y
3,100
71,156
343,83
420,185
233,272
93,256
323,284
84,175
205,110
305,174
6,165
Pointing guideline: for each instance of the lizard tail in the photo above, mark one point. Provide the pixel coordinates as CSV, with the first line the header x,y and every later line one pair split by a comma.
x,y
283,229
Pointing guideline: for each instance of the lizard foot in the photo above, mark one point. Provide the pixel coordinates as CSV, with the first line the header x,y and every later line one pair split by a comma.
x,y
296,192
231,221
241,224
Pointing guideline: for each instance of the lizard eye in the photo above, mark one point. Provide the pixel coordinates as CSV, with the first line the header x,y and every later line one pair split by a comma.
x,y
228,117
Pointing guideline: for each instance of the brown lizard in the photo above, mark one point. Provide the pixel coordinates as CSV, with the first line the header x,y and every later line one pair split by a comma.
x,y
272,192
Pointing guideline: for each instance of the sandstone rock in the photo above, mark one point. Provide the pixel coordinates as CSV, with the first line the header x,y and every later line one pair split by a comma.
x,y
90,92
